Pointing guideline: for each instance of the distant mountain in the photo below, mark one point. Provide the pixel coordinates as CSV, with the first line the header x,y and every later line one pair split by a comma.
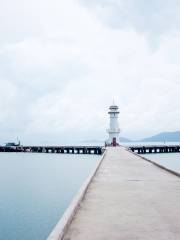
x,y
164,136
161,137
123,139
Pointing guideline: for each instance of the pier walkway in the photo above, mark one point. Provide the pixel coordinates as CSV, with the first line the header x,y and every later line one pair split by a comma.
x,y
128,199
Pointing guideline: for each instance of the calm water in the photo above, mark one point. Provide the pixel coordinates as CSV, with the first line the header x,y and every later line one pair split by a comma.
x,y
36,189
169,160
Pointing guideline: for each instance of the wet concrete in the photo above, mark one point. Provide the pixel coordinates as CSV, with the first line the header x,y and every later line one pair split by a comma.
x,y
128,199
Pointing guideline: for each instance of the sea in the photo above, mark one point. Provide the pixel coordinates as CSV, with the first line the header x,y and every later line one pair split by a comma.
x,y
37,188
169,160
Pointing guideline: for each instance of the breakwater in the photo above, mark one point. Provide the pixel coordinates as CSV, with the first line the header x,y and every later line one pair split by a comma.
x,y
55,149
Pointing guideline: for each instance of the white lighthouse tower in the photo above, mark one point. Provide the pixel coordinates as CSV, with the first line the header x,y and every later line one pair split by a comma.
x,y
114,125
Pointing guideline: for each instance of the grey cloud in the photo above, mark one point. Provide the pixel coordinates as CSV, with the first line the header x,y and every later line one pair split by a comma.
x,y
59,75
155,17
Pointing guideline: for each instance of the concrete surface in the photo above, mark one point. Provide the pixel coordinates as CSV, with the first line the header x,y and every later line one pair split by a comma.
x,y
64,222
128,199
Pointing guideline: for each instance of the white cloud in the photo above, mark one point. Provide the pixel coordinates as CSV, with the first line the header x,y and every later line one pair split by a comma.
x,y
61,67
153,17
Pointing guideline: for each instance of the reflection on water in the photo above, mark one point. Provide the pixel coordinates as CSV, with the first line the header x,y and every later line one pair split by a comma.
x,y
36,189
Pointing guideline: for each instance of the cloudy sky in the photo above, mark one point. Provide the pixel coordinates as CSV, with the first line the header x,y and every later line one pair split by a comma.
x,y
63,61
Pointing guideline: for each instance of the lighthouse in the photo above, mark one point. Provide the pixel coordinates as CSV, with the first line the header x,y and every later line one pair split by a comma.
x,y
113,126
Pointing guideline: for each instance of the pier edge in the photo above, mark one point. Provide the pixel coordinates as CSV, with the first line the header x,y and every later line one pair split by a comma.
x,y
154,163
61,227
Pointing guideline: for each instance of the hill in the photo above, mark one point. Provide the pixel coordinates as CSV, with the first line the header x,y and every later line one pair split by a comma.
x,y
123,139
164,136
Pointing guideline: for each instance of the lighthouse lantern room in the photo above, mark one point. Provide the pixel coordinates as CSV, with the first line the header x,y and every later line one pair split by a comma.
x,y
114,126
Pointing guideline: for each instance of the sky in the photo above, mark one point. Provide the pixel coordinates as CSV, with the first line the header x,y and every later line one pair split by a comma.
x,y
63,61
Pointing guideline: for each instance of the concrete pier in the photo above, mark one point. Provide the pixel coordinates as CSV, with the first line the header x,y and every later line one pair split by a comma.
x,y
155,149
128,199
54,149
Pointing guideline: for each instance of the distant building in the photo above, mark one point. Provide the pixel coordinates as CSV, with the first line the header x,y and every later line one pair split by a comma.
x,y
12,144
114,126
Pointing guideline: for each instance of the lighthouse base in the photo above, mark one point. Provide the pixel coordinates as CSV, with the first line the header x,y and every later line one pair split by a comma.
x,y
112,142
